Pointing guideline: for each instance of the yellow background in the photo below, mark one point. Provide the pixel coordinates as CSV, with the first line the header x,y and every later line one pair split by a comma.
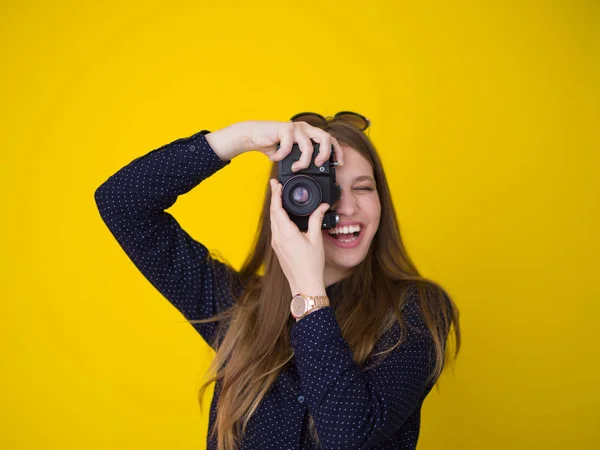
x,y
486,115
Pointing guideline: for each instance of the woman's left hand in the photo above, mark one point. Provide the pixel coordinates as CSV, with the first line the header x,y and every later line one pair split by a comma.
x,y
301,255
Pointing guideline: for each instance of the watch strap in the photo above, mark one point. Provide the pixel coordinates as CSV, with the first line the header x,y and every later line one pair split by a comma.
x,y
317,301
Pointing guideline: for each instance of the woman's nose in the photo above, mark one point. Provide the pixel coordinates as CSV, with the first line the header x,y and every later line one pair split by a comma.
x,y
346,205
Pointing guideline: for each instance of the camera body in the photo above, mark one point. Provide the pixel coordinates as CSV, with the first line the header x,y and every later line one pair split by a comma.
x,y
304,190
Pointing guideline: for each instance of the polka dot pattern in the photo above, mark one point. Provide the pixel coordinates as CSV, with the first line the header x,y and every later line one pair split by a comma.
x,y
376,406
132,204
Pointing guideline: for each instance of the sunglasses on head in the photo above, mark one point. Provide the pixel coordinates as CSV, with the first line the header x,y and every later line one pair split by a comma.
x,y
317,120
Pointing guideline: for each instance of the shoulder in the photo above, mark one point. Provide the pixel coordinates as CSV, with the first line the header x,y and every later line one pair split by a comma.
x,y
411,309
424,306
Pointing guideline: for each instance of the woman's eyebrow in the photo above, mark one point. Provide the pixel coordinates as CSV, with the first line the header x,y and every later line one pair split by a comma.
x,y
364,177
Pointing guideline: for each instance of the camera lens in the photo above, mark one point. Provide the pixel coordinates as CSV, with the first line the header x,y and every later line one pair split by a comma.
x,y
301,195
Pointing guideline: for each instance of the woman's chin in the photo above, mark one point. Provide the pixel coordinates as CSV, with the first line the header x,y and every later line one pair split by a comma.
x,y
344,254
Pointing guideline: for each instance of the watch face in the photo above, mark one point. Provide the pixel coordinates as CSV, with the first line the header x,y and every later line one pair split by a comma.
x,y
298,306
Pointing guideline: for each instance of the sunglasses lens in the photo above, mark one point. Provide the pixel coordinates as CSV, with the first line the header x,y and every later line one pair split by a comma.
x,y
312,119
357,120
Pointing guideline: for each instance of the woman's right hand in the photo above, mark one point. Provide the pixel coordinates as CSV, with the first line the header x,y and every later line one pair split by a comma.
x,y
264,135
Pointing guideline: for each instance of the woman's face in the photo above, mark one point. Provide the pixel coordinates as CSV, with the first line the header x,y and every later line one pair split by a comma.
x,y
359,205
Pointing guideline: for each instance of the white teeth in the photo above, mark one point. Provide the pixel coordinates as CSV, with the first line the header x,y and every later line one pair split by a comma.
x,y
345,230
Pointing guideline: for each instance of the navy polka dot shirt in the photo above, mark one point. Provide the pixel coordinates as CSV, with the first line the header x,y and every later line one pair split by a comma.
x,y
353,408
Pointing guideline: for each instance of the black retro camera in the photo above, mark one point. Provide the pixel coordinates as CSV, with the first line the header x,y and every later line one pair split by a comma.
x,y
304,190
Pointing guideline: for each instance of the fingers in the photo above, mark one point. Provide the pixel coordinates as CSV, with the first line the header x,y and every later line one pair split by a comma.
x,y
315,222
321,137
285,145
282,226
304,134
307,133
324,149
339,154
280,222
306,148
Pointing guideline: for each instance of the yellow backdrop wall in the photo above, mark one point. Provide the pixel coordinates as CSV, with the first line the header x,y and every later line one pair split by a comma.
x,y
486,115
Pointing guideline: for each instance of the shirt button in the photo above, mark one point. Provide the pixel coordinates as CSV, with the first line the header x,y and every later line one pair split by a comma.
x,y
301,399
294,341
192,148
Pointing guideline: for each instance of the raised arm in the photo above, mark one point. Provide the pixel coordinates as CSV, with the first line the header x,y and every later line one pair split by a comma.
x,y
132,204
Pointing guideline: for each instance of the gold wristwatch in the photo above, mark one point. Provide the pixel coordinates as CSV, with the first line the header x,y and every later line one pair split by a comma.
x,y
303,304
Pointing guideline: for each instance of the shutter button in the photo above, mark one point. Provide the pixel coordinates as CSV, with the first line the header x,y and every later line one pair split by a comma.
x,y
301,399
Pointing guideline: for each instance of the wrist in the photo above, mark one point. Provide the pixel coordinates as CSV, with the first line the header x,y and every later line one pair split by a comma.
x,y
310,289
229,142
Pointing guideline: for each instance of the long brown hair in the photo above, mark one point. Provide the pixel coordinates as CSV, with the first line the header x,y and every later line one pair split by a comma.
x,y
255,347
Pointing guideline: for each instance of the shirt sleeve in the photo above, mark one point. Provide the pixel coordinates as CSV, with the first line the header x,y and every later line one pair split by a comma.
x,y
132,204
353,408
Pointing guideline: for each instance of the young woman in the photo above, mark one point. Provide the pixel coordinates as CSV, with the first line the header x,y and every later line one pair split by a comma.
x,y
349,371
